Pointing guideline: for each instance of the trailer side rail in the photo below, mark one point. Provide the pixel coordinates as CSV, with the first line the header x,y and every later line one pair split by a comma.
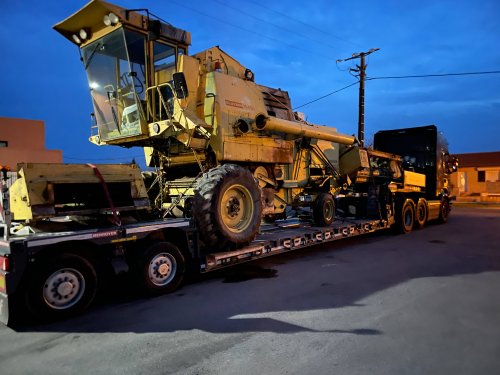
x,y
287,237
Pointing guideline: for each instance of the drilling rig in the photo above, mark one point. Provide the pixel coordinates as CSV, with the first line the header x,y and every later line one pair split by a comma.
x,y
226,151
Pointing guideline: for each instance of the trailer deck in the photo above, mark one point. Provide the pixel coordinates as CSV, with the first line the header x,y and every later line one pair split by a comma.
x,y
291,235
19,253
280,237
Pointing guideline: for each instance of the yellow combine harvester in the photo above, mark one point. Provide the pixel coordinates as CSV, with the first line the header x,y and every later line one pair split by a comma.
x,y
226,149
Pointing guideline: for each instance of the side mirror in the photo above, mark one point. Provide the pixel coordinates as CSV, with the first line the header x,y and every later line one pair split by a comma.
x,y
180,85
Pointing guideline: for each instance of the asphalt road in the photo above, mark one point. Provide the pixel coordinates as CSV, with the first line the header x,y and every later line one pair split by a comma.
x,y
423,303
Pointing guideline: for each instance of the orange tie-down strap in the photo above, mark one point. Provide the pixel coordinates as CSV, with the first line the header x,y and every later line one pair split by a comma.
x,y
116,219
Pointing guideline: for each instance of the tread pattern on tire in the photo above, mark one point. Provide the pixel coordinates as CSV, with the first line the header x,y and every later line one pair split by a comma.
x,y
206,205
420,222
318,209
444,211
401,208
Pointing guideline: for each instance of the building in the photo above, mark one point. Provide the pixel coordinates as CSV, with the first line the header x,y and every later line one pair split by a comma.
x,y
21,141
478,177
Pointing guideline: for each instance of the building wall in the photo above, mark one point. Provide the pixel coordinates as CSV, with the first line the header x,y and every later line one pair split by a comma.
x,y
478,182
470,181
23,141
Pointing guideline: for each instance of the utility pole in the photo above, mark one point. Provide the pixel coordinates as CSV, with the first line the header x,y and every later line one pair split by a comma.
x,y
361,70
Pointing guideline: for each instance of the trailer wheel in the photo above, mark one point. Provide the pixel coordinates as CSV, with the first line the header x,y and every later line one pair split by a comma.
x,y
62,286
324,210
444,211
162,268
421,213
405,217
227,206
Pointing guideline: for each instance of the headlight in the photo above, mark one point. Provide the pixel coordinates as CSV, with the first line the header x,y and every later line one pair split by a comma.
x,y
76,39
110,19
84,34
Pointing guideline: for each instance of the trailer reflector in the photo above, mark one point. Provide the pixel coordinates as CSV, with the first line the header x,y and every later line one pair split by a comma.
x,y
4,264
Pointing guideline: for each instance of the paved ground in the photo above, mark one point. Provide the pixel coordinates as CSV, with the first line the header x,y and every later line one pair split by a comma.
x,y
424,303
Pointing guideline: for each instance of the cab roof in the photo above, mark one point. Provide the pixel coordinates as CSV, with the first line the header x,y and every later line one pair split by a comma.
x,y
92,14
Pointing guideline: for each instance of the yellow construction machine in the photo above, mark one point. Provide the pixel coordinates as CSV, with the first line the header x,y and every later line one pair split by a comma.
x,y
225,149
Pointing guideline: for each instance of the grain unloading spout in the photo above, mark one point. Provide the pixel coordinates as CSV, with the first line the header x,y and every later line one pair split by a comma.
x,y
263,122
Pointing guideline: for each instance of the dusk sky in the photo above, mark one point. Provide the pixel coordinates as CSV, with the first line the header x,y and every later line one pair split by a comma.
x,y
292,45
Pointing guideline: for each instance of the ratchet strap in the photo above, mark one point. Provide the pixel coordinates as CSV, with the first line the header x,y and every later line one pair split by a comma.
x,y
116,219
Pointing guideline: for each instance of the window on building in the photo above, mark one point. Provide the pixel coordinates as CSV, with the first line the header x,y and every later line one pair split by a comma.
x,y
4,144
462,182
492,176
481,176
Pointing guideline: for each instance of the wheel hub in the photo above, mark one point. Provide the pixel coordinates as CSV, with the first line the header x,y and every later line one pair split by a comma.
x,y
162,269
408,218
328,211
64,288
237,208
421,213
233,207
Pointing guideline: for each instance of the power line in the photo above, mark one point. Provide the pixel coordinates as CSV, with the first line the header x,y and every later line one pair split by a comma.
x,y
435,75
250,15
304,23
324,96
401,77
248,30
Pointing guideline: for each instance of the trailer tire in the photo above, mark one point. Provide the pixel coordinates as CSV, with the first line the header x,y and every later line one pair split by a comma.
x,y
405,217
324,210
444,211
421,213
162,268
227,206
61,286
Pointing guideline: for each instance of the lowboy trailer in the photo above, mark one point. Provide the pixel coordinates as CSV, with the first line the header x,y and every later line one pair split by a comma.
x,y
55,275
56,268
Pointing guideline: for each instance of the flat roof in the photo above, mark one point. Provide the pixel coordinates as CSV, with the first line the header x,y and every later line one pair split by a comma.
x,y
479,159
